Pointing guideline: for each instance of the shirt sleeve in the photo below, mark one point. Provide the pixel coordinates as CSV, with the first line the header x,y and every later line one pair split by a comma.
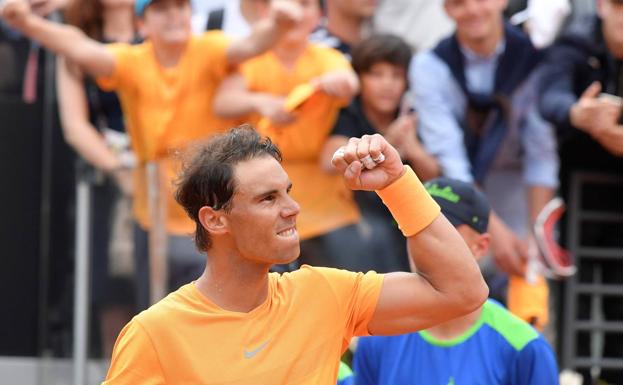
x,y
366,362
557,93
535,365
123,74
134,359
436,94
214,45
541,161
356,296
334,60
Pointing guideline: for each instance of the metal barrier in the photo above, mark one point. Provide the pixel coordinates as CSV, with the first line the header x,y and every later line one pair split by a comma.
x,y
593,287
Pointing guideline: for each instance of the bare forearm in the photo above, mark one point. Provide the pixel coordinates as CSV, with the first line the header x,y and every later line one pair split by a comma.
x,y
71,42
538,196
91,146
265,34
442,258
235,103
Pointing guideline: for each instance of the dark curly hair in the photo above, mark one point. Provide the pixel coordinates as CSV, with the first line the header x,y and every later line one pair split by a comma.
x,y
207,179
381,48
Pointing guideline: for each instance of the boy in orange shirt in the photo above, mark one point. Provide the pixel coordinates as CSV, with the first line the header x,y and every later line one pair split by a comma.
x,y
240,324
258,93
165,85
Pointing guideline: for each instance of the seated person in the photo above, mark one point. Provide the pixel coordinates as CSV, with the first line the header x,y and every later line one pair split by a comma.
x,y
381,63
488,346
257,94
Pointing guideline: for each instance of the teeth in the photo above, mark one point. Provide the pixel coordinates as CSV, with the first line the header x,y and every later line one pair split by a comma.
x,y
287,233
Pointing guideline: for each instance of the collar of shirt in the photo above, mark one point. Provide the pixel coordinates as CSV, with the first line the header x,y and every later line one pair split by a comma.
x,y
480,70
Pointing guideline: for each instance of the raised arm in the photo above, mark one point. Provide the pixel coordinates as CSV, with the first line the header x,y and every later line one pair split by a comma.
x,y
283,16
234,100
448,282
77,129
61,39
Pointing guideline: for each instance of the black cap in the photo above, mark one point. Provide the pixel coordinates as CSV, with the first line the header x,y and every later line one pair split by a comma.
x,y
460,202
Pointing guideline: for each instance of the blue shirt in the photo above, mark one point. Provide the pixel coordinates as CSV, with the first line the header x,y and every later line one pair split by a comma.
x,y
527,156
499,349
440,103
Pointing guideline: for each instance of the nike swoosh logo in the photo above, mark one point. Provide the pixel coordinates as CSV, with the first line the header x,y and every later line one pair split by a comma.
x,y
252,353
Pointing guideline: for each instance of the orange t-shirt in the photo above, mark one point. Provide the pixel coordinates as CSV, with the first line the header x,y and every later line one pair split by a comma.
x,y
326,204
295,337
168,108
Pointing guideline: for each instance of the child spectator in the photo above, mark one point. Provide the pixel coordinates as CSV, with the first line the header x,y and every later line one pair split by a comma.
x,y
381,63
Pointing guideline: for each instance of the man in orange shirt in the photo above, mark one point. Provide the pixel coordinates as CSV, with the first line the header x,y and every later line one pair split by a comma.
x,y
240,324
165,86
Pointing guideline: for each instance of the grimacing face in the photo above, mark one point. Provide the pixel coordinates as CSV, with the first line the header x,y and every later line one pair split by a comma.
x,y
262,219
167,21
382,87
475,19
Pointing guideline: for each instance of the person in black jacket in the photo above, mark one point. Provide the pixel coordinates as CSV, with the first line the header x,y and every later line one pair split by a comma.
x,y
581,91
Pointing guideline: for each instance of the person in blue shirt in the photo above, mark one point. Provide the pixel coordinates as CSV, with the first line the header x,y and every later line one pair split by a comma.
x,y
476,97
489,346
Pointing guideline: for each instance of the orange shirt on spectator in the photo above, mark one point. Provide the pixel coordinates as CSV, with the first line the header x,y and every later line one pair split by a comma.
x,y
325,202
168,108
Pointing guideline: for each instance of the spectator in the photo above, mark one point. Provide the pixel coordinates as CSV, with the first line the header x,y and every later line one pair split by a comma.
x,y
381,63
476,98
257,94
87,115
236,17
422,23
165,86
586,61
345,24
489,346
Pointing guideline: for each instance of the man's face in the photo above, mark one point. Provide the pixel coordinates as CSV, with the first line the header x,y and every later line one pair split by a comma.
x,y
309,22
476,19
382,87
167,21
611,13
262,219
355,8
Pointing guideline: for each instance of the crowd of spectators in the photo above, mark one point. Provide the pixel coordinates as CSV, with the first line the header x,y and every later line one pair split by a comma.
x,y
456,87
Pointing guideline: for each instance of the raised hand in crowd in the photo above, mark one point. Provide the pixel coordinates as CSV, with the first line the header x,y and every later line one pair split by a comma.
x,y
402,134
341,84
286,14
15,12
598,116
272,107
283,16
592,113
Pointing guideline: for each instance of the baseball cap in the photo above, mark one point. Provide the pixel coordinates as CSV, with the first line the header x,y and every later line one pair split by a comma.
x,y
140,5
460,202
